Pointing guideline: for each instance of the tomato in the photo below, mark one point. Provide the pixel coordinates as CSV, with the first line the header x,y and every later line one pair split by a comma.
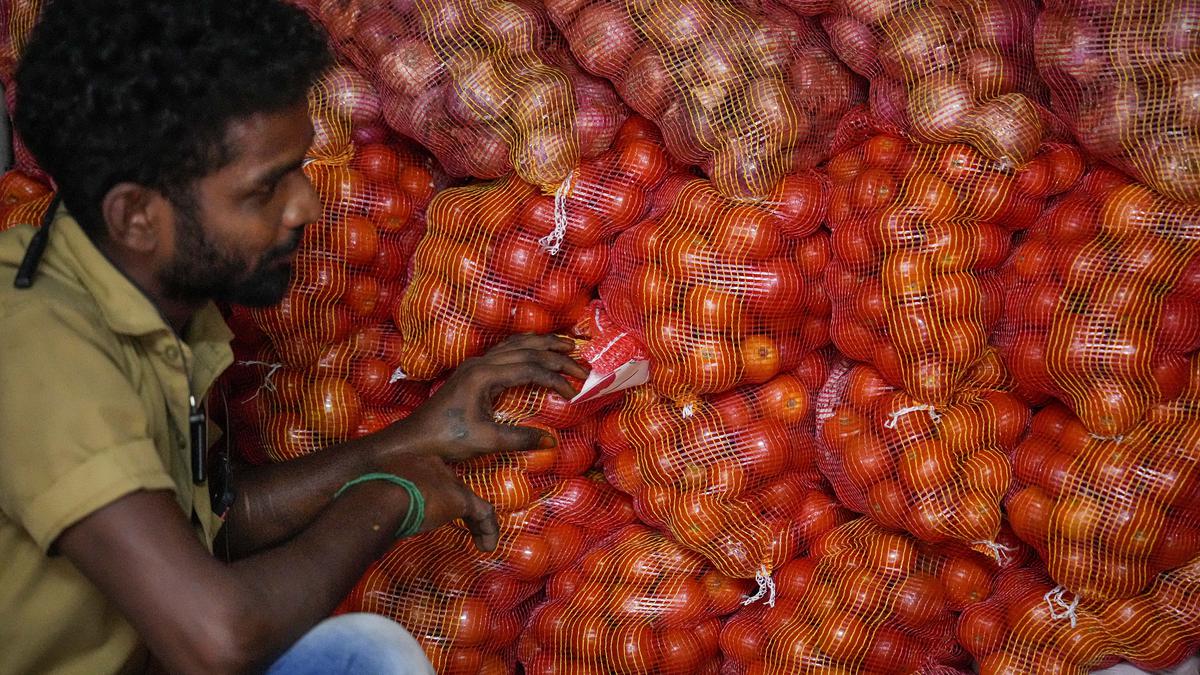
x,y
798,205
529,317
929,197
723,594
506,488
842,635
354,238
680,651
519,262
710,365
288,436
618,203
331,407
742,639
388,207
967,580
633,648
927,465
866,460
1004,663
883,150
812,254
715,310
982,629
1029,512
919,600
642,160
760,359
746,233
784,399
773,288
417,183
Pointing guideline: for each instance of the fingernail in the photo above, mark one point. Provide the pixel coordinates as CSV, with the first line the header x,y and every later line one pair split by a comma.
x,y
547,441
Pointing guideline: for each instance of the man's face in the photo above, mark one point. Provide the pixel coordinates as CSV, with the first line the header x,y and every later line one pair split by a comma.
x,y
235,233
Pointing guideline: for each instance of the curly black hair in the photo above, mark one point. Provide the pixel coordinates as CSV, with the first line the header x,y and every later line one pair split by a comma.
x,y
143,91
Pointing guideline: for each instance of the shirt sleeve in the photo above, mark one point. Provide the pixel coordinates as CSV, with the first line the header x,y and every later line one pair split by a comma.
x,y
74,436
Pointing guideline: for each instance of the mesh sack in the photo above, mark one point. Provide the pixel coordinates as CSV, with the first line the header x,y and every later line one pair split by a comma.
x,y
949,71
751,96
486,85
501,258
867,601
1108,515
937,473
918,234
467,608
1103,309
1123,75
731,476
637,602
23,199
17,18
1030,625
723,293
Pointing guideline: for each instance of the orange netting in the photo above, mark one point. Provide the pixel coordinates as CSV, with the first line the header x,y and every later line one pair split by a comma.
x,y
17,18
501,258
730,476
938,473
1029,625
749,95
1126,77
1107,515
1105,302
635,603
918,233
23,199
468,608
486,85
867,601
949,71
724,293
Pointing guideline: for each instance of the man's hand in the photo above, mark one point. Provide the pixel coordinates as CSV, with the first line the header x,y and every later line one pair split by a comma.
x,y
457,423
447,498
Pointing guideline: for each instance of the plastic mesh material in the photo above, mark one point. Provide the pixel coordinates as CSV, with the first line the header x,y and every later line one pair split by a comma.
x,y
731,476
486,85
949,71
468,608
635,603
1108,515
867,601
938,473
1124,75
918,234
1030,625
17,19
501,258
23,199
749,95
1105,302
723,293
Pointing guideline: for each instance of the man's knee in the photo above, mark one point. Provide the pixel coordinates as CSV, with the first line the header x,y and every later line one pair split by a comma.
x,y
355,643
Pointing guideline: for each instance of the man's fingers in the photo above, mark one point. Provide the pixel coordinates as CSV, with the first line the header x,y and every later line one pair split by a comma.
x,y
480,519
531,341
530,373
524,438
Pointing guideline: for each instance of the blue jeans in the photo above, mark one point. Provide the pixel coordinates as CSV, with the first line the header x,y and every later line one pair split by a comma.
x,y
366,644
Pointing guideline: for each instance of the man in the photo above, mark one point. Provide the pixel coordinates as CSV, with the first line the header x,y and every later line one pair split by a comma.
x,y
176,132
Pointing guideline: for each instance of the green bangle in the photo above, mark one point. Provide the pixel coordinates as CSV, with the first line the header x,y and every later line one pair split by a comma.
x,y
416,501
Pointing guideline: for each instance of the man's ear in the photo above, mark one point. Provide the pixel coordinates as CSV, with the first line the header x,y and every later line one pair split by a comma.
x,y
135,216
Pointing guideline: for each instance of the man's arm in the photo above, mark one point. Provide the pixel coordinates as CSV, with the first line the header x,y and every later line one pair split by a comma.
x,y
199,615
275,501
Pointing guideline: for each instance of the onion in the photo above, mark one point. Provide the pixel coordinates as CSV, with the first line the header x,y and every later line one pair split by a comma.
x,y
422,118
544,99
329,137
404,7
1069,52
603,39
677,134
989,73
379,29
707,124
480,94
741,170
445,20
350,96
545,156
562,12
367,135
918,43
875,11
774,39
1002,24
1174,166
810,7
1007,128
769,116
485,154
410,67
646,86
1180,31
599,115
1103,126
1185,93
938,106
511,27
822,84
853,42
718,65
340,18
677,24
889,102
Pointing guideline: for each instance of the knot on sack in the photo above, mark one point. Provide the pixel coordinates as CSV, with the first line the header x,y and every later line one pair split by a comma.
x,y
1059,607
766,588
268,383
895,415
1000,552
397,375
1115,439
552,243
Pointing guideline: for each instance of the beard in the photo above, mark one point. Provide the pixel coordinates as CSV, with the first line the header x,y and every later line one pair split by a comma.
x,y
202,271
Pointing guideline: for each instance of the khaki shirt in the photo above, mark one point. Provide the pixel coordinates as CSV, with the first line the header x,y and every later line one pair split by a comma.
x,y
93,406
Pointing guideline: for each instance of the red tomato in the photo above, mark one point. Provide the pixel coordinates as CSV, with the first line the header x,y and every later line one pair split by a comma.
x,y
982,629
760,359
784,399
642,160
799,205
331,407
355,239
519,262
967,580
919,600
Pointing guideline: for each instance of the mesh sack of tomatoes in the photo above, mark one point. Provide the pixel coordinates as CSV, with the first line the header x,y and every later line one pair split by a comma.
x,y
731,476
467,608
1108,515
1125,76
501,258
937,473
949,71
918,234
1160,627
487,86
1104,304
867,600
17,19
637,602
723,292
749,95
23,199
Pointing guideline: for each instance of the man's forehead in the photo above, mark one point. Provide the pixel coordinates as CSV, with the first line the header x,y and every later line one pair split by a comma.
x,y
263,139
